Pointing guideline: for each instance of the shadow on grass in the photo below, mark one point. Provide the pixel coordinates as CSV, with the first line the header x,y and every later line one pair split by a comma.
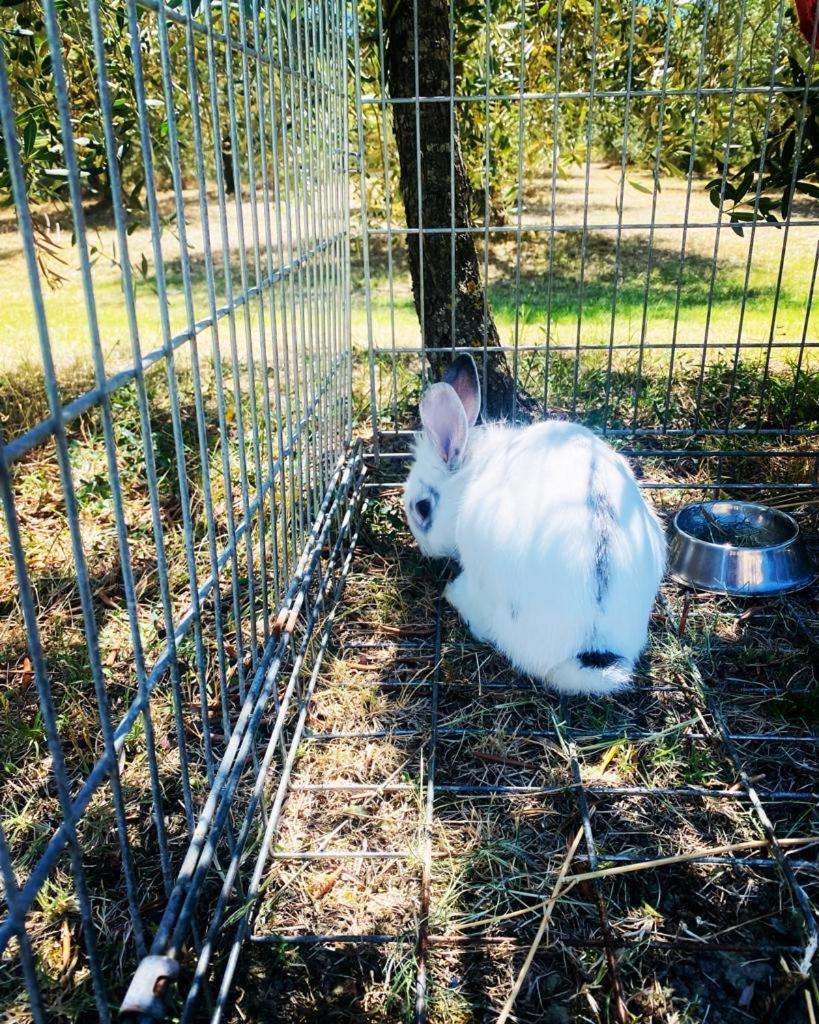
x,y
625,275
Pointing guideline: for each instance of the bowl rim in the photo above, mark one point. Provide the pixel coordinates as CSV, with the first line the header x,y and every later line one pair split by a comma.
x,y
775,512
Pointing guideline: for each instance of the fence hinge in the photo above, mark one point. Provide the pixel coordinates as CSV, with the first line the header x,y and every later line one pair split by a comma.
x,y
146,993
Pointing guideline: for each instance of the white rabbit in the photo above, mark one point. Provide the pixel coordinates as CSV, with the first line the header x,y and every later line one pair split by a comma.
x,y
561,558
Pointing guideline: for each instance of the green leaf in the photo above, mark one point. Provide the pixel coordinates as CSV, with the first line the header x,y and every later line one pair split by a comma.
x,y
788,149
640,187
30,137
745,184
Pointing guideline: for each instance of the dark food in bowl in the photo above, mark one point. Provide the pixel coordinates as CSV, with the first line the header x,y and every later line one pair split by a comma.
x,y
740,525
739,548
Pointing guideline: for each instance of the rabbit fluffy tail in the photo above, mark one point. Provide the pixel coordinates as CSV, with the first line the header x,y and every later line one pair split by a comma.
x,y
592,672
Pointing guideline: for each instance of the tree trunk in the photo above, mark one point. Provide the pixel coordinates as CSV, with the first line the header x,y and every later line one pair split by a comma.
x,y
439,151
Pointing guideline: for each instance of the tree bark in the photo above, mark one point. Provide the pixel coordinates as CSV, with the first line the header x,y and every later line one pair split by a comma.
x,y
440,152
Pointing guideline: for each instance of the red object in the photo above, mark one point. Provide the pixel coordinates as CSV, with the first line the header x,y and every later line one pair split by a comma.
x,y
807,11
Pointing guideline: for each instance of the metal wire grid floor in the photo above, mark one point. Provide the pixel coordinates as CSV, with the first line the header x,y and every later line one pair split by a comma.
x,y
453,715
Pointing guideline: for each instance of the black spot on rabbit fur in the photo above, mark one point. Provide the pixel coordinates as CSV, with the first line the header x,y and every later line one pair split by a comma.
x,y
597,659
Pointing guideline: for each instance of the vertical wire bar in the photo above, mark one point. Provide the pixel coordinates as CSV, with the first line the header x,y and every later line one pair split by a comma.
x,y
126,568
237,373
518,225
805,328
316,129
706,10
170,368
26,599
277,469
717,231
202,437
323,141
319,130
277,509
341,191
757,195
365,236
388,203
618,244
584,238
291,193
247,100
216,347
204,218
452,128
298,81
669,13
335,227
341,59
420,188
149,463
338,143
553,204
329,229
422,983
308,208
621,1013
803,119
487,72
346,179
289,533
216,358
17,914
329,232
249,353
303,201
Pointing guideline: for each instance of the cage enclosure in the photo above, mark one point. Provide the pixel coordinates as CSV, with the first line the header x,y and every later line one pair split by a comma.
x,y
253,767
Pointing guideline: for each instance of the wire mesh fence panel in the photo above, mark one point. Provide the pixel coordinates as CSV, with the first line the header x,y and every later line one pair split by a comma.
x,y
623,227
176,418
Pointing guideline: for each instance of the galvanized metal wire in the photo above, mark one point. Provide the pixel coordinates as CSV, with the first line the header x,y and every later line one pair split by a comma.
x,y
269,346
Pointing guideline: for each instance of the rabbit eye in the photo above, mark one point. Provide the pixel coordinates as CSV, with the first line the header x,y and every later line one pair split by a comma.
x,y
423,508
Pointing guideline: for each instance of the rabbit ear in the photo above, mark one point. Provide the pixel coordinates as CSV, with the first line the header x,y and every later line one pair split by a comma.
x,y
444,419
463,376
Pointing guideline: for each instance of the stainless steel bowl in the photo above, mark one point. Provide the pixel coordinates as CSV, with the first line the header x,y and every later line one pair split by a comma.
x,y
738,548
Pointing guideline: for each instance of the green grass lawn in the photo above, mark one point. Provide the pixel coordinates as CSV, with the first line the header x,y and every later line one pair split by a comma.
x,y
655,289
657,304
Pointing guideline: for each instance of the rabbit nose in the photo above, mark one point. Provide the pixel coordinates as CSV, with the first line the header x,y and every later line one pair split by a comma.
x,y
423,508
